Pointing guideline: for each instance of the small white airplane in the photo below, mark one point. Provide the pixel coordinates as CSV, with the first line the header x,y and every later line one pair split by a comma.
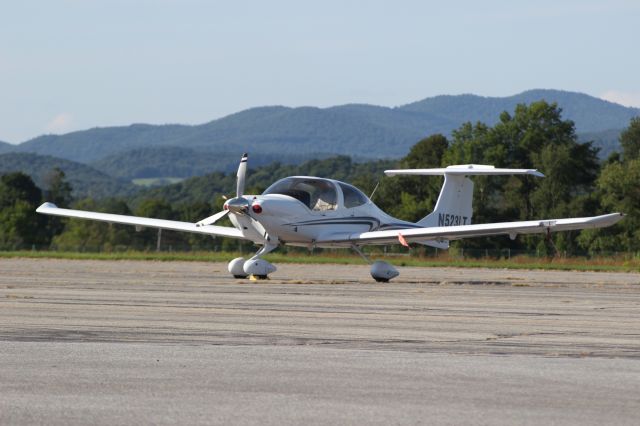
x,y
316,212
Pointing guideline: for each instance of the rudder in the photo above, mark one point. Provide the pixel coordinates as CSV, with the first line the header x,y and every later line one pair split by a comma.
x,y
455,203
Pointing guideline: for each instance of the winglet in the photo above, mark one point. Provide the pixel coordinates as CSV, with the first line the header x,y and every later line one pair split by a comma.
x,y
46,206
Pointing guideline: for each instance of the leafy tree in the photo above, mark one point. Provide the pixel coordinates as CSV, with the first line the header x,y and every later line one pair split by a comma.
x,y
618,190
193,212
149,238
20,226
472,144
18,186
58,189
155,208
630,140
413,197
18,229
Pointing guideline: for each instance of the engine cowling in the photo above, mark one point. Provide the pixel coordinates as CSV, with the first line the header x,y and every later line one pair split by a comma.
x,y
383,271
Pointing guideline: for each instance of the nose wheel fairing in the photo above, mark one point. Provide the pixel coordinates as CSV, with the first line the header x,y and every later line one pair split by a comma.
x,y
258,268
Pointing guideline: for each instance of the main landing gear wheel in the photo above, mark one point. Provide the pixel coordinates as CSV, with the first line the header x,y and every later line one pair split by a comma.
x,y
236,268
382,272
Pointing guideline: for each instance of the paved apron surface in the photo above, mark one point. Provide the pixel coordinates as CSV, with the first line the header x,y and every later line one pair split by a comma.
x,y
181,342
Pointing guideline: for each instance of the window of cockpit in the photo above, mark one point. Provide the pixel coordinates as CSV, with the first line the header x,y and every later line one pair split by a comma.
x,y
352,196
316,194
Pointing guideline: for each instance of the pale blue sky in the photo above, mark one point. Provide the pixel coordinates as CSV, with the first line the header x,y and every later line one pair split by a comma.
x,y
74,64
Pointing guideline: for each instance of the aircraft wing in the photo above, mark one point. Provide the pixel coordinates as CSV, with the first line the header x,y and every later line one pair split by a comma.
x,y
145,222
441,233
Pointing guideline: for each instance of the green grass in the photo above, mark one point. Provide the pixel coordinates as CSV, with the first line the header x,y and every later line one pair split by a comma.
x,y
521,262
158,181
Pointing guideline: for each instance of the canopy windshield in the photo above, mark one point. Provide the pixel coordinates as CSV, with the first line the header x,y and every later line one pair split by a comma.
x,y
316,194
353,197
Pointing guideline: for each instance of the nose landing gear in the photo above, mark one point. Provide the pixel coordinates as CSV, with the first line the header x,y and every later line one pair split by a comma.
x,y
258,268
255,267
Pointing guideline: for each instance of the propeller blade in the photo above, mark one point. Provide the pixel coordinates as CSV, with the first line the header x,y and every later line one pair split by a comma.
x,y
242,171
213,218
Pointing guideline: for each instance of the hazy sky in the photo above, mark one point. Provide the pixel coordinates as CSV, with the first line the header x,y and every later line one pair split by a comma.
x,y
75,64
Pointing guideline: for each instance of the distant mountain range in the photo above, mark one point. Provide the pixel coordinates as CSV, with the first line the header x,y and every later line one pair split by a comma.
x,y
172,161
295,134
85,181
6,147
590,114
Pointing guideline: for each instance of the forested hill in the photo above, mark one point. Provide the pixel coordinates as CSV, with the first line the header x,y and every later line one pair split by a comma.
x,y
85,181
606,140
364,131
208,188
178,162
589,114
5,147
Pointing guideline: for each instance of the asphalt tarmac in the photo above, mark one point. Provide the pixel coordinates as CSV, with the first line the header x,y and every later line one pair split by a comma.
x,y
121,342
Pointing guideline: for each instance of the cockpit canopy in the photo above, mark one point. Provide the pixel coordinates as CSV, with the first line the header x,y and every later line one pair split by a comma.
x,y
353,197
316,193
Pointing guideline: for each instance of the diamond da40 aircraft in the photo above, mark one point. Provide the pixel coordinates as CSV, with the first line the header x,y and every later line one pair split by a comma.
x,y
316,212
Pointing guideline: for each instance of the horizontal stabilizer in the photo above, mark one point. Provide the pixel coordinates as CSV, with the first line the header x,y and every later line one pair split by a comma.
x,y
464,170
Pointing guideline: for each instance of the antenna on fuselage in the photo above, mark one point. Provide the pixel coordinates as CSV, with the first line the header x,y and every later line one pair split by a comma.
x,y
374,190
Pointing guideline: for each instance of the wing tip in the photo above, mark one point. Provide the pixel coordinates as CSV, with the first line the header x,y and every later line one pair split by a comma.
x,y
46,206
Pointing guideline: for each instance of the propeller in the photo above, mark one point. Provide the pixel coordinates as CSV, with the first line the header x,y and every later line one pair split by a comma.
x,y
236,204
213,218
242,172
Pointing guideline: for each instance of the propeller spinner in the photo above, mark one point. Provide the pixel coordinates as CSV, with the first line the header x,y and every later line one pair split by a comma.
x,y
237,204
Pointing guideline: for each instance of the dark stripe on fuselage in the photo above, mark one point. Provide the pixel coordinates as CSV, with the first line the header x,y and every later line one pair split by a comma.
x,y
392,226
374,224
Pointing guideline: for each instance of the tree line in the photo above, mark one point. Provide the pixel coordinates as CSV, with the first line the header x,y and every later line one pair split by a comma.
x,y
577,184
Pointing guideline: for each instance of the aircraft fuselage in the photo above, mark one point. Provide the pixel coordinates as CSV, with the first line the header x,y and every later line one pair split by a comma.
x,y
302,210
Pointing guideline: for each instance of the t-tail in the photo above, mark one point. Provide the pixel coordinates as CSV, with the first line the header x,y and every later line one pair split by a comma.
x,y
455,202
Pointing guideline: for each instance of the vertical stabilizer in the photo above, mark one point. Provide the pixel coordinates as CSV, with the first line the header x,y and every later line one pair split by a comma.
x,y
455,203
